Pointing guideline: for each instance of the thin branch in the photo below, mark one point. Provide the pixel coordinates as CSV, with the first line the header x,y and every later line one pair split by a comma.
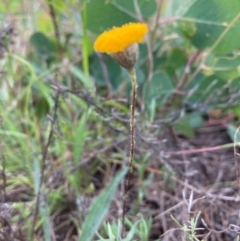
x,y
55,24
151,40
201,150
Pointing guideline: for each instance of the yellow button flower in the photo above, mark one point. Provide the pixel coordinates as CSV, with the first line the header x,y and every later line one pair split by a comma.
x,y
121,43
118,39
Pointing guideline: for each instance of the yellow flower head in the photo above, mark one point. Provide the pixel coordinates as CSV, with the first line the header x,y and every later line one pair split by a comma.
x,y
118,39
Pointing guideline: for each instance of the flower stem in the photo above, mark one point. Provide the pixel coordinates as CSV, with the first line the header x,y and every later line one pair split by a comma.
x,y
133,78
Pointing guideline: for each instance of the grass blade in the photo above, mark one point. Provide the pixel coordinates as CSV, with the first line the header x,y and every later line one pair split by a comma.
x,y
99,208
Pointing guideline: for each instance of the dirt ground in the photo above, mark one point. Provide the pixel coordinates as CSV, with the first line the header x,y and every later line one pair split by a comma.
x,y
198,175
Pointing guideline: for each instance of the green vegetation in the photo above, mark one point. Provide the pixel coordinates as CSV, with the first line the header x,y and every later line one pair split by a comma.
x,y
64,122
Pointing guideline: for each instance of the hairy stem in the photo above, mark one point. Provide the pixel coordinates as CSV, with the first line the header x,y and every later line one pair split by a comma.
x,y
133,77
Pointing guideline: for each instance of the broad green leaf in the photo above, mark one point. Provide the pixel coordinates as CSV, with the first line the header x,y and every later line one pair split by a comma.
x,y
195,120
206,20
99,208
146,7
107,71
102,14
44,22
41,107
42,44
156,92
183,127
186,125
178,7
176,59
159,88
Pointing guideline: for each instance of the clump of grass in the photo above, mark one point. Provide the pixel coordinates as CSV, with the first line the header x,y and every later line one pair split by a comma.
x,y
139,230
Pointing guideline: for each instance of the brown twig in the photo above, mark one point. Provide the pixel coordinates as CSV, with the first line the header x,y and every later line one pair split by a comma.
x,y
204,149
55,24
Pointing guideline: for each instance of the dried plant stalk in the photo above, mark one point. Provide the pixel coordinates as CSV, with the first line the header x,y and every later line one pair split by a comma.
x,y
133,78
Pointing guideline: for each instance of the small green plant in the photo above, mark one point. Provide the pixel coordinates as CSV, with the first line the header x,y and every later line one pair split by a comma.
x,y
137,231
190,230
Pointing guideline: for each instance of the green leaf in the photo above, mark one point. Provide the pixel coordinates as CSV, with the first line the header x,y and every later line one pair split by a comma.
x,y
183,127
88,84
107,70
156,92
233,133
158,88
44,22
227,67
43,206
178,7
146,7
99,208
195,120
42,44
44,212
116,104
176,59
79,138
206,20
236,111
186,125
58,5
102,14
41,107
